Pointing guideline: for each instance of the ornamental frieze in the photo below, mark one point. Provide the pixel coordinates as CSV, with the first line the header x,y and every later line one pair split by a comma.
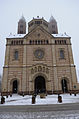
x,y
40,69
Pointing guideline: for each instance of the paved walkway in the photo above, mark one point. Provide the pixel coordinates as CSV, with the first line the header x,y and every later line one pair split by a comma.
x,y
61,111
40,115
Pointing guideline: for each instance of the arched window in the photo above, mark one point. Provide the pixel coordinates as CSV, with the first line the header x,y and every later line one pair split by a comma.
x,y
11,42
16,55
35,41
38,41
47,41
62,54
30,42
64,41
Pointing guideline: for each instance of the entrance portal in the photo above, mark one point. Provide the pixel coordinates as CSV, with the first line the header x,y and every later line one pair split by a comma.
x,y
15,86
40,86
64,86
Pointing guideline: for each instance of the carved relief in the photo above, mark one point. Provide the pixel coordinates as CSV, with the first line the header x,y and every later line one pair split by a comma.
x,y
40,69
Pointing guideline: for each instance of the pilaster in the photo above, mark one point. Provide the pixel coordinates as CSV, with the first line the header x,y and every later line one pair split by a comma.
x,y
54,68
24,69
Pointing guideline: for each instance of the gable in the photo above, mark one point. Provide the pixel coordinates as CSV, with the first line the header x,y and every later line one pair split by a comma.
x,y
38,33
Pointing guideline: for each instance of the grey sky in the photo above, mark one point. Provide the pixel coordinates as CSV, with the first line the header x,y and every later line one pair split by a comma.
x,y
66,12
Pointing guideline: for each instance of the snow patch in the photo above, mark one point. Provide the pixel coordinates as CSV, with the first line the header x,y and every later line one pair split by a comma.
x,y
50,99
16,36
61,35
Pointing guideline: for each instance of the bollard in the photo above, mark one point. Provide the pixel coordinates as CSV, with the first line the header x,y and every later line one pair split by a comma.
x,y
59,99
2,100
23,94
75,94
33,99
10,95
6,96
70,94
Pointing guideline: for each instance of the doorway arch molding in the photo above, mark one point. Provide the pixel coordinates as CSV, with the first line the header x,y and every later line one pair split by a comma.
x,y
65,79
40,74
11,84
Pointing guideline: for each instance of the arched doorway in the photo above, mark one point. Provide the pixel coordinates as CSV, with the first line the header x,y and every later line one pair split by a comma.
x,y
40,86
15,86
64,86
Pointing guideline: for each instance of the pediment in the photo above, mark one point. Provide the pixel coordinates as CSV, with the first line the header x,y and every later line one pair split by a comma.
x,y
38,33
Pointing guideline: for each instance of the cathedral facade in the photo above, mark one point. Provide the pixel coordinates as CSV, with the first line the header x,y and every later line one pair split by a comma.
x,y
40,61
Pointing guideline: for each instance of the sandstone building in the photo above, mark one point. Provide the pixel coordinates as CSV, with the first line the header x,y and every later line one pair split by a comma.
x,y
40,61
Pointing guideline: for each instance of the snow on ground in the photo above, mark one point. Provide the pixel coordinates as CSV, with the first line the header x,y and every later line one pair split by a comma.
x,y
50,99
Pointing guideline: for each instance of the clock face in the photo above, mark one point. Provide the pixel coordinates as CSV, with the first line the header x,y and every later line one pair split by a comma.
x,y
39,53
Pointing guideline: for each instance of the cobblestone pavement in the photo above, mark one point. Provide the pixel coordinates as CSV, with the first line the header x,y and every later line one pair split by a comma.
x,y
40,115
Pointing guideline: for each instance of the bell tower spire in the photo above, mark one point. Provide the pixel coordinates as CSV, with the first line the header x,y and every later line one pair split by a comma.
x,y
22,25
53,29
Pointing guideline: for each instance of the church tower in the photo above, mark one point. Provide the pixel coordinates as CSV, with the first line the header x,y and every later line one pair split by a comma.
x,y
52,26
22,26
37,22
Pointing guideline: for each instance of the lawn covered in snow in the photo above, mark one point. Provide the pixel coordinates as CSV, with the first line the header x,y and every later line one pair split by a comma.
x,y
50,99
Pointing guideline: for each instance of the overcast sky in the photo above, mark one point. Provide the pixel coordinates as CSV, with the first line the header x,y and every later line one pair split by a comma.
x,y
66,13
